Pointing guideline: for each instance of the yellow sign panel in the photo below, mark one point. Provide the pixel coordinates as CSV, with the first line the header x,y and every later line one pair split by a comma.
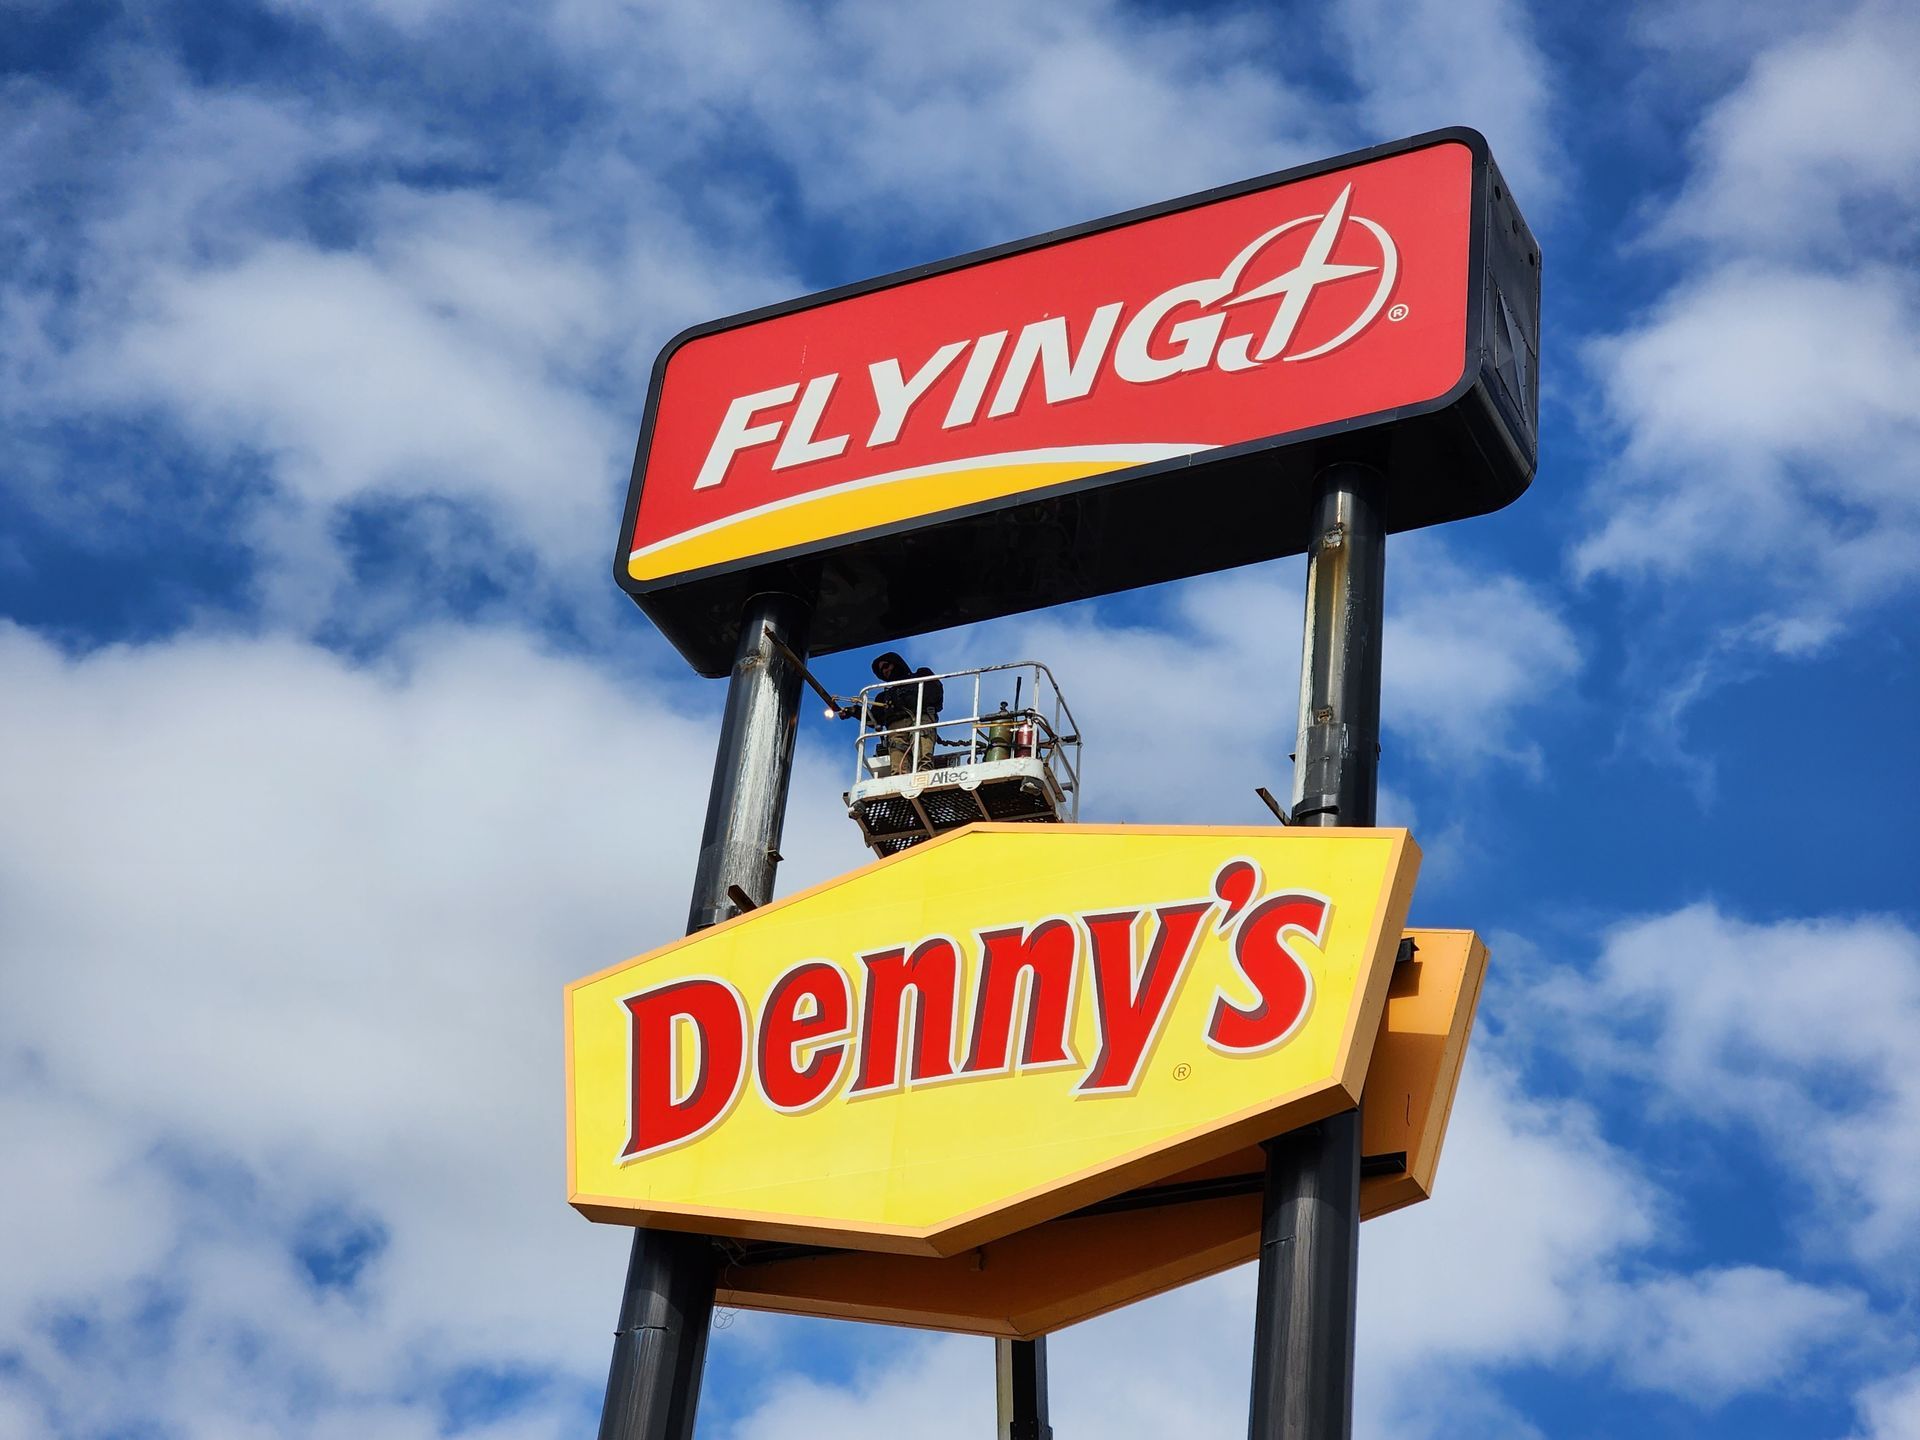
x,y
1148,1241
986,1031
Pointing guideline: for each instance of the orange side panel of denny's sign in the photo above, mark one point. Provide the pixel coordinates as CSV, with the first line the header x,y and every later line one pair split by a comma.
x,y
984,1032
1162,342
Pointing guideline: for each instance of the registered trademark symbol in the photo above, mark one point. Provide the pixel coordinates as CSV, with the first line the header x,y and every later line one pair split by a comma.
x,y
1182,1071
1398,312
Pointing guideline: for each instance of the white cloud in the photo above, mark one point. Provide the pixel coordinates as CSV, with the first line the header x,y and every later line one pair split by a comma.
x,y
1891,1409
1469,649
1767,401
1005,114
1799,1028
243,267
1756,438
407,16
1704,46
1710,1336
1812,152
1205,683
1183,717
1532,1210
968,121
360,380
284,932
1774,363
940,1388
1442,62
72,1217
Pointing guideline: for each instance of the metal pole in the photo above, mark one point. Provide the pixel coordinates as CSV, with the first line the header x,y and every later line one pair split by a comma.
x,y
748,803
666,1309
1310,1220
1020,1370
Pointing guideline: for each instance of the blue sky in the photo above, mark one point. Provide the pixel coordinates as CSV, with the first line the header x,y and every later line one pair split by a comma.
x,y
329,752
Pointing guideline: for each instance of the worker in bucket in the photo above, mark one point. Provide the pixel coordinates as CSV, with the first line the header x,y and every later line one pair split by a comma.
x,y
911,698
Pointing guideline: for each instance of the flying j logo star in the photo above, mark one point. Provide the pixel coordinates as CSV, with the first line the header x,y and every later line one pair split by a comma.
x,y
1129,401
998,1025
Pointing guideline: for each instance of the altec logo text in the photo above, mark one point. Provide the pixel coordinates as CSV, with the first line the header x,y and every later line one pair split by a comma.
x,y
1320,300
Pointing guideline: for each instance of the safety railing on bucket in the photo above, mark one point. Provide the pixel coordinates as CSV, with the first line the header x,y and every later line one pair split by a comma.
x,y
1012,711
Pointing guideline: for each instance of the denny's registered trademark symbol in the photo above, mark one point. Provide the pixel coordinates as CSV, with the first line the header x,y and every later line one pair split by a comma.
x,y
976,1020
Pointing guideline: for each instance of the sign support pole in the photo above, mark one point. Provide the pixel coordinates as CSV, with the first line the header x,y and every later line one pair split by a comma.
x,y
666,1308
1303,1337
1020,1369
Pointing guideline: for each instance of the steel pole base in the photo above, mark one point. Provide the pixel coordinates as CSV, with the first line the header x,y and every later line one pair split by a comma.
x,y
1303,1328
1020,1373
666,1309
666,1313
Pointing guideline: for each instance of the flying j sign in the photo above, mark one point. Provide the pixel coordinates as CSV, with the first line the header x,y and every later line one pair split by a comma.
x,y
1119,403
984,1032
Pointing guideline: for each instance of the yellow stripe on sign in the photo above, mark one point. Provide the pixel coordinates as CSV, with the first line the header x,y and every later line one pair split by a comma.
x,y
847,510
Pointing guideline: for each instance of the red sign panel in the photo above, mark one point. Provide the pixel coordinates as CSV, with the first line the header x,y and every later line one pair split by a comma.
x,y
1138,347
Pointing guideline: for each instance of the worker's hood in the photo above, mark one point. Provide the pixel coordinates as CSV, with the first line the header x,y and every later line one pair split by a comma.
x,y
898,664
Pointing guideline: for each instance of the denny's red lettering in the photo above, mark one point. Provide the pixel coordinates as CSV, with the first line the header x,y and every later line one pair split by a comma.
x,y
1132,1002
1043,959
713,1016
1282,984
928,983
693,1041
807,1007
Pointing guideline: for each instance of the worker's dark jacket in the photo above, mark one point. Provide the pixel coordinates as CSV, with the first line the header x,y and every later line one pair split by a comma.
x,y
894,706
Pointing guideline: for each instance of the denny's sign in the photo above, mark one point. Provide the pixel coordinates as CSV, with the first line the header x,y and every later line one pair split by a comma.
x,y
1127,401
984,1032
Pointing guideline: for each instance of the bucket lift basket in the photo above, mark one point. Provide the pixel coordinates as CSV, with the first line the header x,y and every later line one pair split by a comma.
x,y
1013,755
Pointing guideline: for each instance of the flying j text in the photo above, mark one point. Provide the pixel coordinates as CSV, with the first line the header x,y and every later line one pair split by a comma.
x,y
1182,329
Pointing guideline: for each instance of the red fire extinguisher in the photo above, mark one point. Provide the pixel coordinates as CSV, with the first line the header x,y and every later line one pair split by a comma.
x,y
1023,738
